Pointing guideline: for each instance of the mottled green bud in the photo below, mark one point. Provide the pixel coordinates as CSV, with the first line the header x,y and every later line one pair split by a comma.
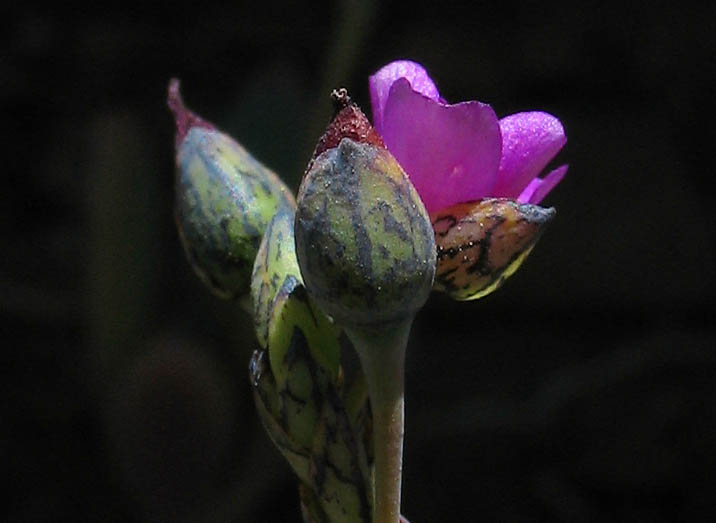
x,y
225,199
281,305
481,244
298,394
298,386
364,241
310,506
340,472
294,315
268,406
275,263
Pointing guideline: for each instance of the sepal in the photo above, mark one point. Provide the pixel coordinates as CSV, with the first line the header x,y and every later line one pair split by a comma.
x,y
480,244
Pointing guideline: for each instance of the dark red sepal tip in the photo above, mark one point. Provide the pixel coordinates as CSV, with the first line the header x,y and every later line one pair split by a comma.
x,y
184,118
348,122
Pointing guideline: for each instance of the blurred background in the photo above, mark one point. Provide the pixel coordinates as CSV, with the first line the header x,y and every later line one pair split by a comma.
x,y
583,390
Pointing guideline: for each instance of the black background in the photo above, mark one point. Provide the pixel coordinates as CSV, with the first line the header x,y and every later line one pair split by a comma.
x,y
583,390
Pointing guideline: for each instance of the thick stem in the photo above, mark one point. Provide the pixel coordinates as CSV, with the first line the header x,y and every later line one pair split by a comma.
x,y
382,355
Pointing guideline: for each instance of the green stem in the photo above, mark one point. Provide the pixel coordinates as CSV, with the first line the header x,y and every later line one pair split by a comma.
x,y
382,355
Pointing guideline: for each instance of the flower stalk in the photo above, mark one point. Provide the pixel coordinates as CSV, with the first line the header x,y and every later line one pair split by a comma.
x,y
382,355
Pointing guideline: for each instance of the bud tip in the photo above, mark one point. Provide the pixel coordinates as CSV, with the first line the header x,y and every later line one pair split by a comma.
x,y
184,118
340,98
348,122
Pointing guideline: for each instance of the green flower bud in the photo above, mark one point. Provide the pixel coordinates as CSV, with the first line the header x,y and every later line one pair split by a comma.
x,y
299,397
298,386
364,241
268,406
275,264
481,244
310,506
225,199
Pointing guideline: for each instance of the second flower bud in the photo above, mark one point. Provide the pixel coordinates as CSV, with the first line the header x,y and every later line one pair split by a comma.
x,y
364,240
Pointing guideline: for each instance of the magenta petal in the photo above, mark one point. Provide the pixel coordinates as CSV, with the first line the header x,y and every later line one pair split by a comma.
x,y
529,141
450,152
381,82
538,188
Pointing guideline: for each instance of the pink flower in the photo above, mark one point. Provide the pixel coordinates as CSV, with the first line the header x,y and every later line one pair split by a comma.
x,y
455,153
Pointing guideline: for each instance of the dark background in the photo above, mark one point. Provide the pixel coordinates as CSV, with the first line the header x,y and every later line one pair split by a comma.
x,y
583,390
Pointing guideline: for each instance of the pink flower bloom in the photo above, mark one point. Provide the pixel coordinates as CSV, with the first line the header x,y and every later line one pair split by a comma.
x,y
455,153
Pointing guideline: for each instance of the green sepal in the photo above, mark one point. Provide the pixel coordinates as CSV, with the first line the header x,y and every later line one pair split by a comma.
x,y
339,467
307,422
299,393
275,262
310,507
302,390
293,314
266,398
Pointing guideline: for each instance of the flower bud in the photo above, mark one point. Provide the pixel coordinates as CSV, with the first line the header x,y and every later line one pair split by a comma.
x,y
364,241
224,201
275,264
298,385
281,307
481,244
268,406
299,395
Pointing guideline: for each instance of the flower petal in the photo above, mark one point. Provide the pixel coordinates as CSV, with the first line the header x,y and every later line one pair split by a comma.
x,y
538,188
529,141
381,82
450,152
